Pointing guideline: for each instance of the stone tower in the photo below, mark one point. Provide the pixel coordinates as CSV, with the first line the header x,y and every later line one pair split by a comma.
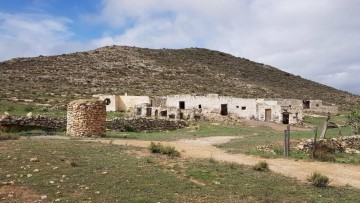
x,y
86,117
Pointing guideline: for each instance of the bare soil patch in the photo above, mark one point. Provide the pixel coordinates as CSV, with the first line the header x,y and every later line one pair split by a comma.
x,y
339,174
12,193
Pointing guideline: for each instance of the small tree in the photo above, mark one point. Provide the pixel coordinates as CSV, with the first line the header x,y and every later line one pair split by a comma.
x,y
354,121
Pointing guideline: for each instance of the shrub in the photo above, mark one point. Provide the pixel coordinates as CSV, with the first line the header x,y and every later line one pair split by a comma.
x,y
261,166
318,180
167,150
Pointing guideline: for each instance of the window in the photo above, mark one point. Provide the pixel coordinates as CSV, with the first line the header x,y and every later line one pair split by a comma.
x,y
181,105
138,111
199,106
237,106
163,113
107,101
243,108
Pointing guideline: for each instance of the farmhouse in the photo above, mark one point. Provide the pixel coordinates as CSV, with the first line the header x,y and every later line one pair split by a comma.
x,y
187,107
212,105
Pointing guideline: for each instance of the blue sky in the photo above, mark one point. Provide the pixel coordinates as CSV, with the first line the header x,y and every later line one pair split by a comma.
x,y
318,40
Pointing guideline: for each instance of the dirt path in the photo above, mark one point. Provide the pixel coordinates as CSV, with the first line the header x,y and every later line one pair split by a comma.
x,y
340,174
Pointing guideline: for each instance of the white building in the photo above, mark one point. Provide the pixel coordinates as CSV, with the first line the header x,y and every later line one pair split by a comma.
x,y
122,102
286,111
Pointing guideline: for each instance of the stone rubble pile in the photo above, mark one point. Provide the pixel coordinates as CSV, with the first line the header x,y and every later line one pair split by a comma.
x,y
11,123
144,124
350,144
86,118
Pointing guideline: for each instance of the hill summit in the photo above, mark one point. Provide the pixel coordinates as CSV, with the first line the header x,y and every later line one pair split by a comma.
x,y
142,71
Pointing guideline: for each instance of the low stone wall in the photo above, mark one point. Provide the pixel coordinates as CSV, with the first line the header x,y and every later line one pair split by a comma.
x,y
144,124
351,144
10,123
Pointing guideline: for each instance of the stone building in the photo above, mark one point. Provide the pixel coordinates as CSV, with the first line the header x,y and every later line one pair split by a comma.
x,y
86,117
122,102
286,111
317,106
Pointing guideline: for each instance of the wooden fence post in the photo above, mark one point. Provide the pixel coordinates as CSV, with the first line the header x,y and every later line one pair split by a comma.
x,y
314,144
287,141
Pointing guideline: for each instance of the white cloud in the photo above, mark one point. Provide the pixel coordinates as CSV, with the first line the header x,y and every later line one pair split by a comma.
x,y
315,39
24,34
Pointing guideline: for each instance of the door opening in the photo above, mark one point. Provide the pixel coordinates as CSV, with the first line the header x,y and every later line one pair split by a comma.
x,y
181,105
224,110
267,115
286,117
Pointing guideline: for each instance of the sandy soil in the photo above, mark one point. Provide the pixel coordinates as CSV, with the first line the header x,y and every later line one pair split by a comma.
x,y
340,174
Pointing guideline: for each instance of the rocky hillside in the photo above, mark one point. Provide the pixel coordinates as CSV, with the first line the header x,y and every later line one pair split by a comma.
x,y
138,71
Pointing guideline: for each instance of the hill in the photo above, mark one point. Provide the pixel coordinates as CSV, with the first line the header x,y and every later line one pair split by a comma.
x,y
141,71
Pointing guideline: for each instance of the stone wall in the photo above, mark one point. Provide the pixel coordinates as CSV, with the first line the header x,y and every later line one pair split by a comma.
x,y
144,124
86,118
351,144
10,123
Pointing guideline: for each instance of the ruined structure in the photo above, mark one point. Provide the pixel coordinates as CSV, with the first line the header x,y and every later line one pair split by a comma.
x,y
86,117
286,111
317,106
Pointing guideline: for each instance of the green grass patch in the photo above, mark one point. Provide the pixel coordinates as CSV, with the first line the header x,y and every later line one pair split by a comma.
x,y
112,173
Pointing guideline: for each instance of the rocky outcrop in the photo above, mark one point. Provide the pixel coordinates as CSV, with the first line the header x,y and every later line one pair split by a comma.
x,y
144,124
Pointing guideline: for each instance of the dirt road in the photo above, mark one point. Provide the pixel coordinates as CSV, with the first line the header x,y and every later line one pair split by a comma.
x,y
339,174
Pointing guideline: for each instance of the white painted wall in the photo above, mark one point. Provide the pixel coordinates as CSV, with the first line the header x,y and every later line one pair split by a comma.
x,y
129,102
114,102
212,104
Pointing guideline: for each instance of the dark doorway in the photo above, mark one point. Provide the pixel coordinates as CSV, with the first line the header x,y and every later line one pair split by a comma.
x,y
148,112
306,104
156,113
138,111
163,113
285,118
181,115
267,115
199,106
181,105
224,110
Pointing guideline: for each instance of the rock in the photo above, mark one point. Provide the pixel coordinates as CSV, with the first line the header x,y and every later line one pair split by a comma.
x,y
29,115
57,200
36,170
34,159
52,182
97,192
29,175
43,197
5,116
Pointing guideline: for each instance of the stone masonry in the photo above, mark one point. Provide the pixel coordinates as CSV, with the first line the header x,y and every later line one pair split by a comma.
x,y
145,124
11,123
86,117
